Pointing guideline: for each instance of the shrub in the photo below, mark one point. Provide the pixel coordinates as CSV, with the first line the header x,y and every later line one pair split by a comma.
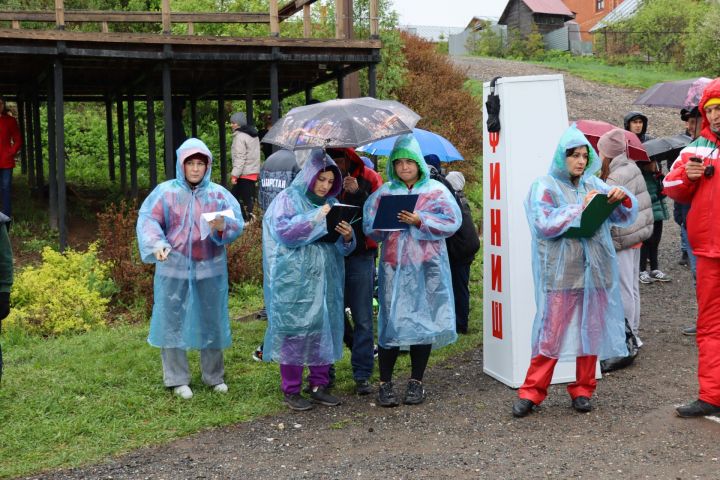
x,y
245,255
67,293
118,242
435,90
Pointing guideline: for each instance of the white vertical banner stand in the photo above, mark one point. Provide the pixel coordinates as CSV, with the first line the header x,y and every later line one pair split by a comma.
x,y
533,117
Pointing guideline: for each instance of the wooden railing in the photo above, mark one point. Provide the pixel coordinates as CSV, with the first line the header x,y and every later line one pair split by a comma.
x,y
165,17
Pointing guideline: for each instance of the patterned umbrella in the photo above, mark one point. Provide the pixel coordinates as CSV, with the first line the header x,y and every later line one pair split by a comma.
x,y
678,94
430,143
341,123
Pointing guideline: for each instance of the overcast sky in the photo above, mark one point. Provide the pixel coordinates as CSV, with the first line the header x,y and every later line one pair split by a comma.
x,y
446,13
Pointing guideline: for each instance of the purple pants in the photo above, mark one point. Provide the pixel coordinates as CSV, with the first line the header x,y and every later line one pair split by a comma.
x,y
292,377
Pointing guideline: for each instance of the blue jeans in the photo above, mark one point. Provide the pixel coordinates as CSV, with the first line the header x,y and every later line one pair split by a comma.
x,y
359,274
5,187
685,243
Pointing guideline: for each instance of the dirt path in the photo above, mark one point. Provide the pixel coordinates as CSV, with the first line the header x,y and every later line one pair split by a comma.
x,y
465,430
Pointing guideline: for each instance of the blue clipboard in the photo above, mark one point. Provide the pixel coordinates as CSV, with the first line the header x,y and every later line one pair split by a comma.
x,y
388,210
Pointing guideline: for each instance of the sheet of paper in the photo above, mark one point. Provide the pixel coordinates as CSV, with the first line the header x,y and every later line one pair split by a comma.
x,y
210,216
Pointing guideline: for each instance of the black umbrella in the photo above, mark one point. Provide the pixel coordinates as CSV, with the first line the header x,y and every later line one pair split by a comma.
x,y
666,148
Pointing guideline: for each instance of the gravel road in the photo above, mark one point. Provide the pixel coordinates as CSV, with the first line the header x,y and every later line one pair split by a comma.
x,y
465,429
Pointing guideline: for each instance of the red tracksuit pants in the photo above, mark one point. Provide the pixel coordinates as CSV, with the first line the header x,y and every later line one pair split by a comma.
x,y
540,374
708,329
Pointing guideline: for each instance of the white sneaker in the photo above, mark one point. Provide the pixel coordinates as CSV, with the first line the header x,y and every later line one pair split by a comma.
x,y
659,276
646,278
220,388
183,391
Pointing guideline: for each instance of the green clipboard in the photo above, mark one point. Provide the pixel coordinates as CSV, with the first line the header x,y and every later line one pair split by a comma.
x,y
594,215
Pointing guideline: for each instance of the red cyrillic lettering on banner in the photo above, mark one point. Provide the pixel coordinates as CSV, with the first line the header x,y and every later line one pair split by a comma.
x,y
497,329
495,227
494,181
496,268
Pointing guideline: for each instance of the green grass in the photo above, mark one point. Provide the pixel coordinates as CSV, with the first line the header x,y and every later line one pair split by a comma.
x,y
74,400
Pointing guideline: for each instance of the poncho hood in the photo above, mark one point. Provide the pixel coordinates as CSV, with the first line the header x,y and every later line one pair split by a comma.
x,y
190,147
316,162
711,91
572,138
406,146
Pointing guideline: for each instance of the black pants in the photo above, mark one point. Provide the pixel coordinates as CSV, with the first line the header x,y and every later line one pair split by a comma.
x,y
419,356
649,249
244,192
461,292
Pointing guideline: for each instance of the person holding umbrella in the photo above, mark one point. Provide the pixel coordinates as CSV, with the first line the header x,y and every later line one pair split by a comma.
x,y
693,180
579,307
302,281
414,282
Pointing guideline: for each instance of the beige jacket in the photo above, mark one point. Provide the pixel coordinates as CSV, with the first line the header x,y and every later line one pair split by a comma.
x,y
245,152
625,173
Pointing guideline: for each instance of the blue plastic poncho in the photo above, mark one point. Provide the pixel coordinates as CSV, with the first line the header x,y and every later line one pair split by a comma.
x,y
417,306
579,309
190,309
303,277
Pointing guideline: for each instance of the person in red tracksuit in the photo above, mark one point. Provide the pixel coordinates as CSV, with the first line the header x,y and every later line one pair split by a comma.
x,y
10,143
693,180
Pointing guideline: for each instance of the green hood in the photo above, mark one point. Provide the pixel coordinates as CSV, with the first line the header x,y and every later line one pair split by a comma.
x,y
406,146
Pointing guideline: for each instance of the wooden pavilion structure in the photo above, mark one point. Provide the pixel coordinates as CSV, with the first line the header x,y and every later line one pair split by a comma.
x,y
55,65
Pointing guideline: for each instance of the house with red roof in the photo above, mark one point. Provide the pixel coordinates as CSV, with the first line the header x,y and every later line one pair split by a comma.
x,y
589,12
545,15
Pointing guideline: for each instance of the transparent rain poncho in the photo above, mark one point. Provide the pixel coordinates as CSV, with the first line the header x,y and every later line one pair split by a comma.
x,y
190,309
304,278
579,309
417,306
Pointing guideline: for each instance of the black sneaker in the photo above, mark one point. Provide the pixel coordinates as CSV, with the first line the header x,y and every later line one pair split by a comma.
x,y
698,408
386,395
522,407
689,331
582,404
414,392
297,402
320,395
363,387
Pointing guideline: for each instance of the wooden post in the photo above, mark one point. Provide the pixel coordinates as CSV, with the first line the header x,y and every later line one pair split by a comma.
x,y
167,118
191,28
110,143
374,19
372,80
340,86
60,153
59,15
339,19
307,21
39,177
132,145
121,144
274,93
222,137
105,28
274,19
152,147
28,142
16,24
193,117
166,25
21,123
308,94
52,157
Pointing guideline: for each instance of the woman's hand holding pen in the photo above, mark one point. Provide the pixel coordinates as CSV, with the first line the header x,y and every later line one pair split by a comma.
x,y
344,229
616,195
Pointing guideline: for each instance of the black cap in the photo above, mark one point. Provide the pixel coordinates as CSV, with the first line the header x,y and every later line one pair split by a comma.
x,y
686,114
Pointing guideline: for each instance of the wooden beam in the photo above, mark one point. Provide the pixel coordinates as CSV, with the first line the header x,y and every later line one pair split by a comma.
x,y
374,19
59,14
191,28
339,19
293,7
274,19
307,21
166,25
81,16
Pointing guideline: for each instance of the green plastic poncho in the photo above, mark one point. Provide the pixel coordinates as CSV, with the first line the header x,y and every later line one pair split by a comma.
x,y
303,277
417,306
579,309
190,309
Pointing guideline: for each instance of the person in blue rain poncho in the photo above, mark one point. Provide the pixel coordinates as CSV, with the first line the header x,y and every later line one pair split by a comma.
x,y
579,308
414,282
303,281
190,309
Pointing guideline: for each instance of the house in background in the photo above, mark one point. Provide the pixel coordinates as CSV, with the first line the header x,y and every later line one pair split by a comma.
x,y
589,12
625,9
458,42
546,15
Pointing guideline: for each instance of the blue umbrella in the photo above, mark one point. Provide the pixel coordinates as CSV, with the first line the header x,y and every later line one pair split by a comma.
x,y
430,143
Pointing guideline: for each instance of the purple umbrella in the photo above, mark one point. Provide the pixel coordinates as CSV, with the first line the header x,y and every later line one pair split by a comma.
x,y
678,94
